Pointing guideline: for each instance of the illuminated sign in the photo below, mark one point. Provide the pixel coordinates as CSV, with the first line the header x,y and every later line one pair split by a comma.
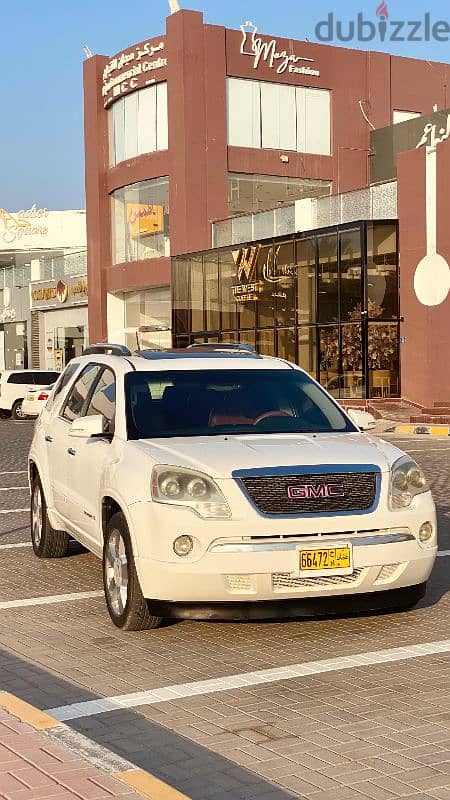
x,y
268,53
144,219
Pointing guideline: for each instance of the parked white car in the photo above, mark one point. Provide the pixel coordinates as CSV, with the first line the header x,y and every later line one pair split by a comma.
x,y
14,385
35,400
228,485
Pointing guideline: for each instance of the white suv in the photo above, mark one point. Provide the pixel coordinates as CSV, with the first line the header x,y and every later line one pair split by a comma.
x,y
14,385
225,484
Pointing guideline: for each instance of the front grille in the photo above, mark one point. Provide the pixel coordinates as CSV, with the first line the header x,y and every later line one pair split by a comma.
x,y
270,494
284,582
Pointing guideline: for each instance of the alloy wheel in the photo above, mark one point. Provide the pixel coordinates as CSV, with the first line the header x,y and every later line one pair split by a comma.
x,y
37,515
116,573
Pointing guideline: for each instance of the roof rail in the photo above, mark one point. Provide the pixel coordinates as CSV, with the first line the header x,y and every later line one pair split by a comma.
x,y
106,349
218,347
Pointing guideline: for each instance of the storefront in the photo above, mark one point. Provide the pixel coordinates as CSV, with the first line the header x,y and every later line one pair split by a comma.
x,y
60,311
35,244
327,300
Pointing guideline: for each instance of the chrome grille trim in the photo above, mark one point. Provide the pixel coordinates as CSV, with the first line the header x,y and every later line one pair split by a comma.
x,y
283,581
286,545
269,493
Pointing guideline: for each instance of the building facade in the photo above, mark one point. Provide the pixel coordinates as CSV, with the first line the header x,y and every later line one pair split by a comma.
x,y
203,124
35,244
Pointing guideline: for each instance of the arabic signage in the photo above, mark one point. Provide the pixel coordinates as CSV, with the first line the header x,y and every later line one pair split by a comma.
x,y
133,69
22,224
427,130
144,219
434,134
268,52
67,292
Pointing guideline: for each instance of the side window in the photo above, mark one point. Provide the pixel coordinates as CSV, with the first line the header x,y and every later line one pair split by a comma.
x,y
62,382
24,378
103,400
79,392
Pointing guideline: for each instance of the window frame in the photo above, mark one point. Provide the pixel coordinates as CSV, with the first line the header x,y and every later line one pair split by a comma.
x,y
112,423
87,398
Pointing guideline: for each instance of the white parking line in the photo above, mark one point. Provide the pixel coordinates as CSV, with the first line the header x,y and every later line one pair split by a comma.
x,y
443,553
15,546
246,679
14,511
14,472
13,488
47,600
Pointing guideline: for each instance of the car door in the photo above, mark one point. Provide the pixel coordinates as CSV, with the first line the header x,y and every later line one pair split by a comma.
x,y
59,443
88,459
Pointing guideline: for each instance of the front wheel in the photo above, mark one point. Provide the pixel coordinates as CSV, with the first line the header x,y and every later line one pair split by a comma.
x,y
127,606
47,543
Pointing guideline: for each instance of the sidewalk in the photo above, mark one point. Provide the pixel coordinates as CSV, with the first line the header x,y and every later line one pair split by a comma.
x,y
32,767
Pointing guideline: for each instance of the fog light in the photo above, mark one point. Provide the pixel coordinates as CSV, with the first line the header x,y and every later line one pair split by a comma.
x,y
426,532
183,545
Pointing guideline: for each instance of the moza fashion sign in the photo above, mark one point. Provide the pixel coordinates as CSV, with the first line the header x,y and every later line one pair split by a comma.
x,y
268,52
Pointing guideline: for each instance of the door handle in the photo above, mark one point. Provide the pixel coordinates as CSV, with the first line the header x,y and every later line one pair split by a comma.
x,y
72,452
49,438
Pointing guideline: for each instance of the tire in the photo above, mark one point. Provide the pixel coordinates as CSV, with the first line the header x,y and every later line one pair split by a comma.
x,y
47,543
126,604
16,411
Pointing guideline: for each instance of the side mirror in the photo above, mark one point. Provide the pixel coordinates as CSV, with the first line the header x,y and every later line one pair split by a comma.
x,y
85,427
363,420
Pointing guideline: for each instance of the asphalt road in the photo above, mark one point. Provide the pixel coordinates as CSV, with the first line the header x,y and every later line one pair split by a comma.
x,y
321,709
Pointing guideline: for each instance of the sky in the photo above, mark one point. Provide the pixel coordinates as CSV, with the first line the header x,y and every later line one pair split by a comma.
x,y
41,55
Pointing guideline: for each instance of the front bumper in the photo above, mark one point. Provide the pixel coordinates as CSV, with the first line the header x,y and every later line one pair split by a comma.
x,y
273,575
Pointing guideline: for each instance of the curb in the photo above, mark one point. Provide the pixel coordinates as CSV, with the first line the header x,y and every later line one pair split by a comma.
x,y
139,780
424,430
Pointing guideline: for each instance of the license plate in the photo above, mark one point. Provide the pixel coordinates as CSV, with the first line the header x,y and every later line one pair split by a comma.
x,y
333,560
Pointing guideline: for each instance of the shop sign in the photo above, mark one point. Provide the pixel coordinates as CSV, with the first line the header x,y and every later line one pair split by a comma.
x,y
125,72
269,53
263,261
51,295
246,259
432,136
144,219
27,222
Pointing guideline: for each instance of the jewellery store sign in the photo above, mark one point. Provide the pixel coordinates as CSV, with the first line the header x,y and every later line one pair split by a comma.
x,y
135,68
57,294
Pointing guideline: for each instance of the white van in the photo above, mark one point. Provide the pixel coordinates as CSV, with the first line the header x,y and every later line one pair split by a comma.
x,y
14,385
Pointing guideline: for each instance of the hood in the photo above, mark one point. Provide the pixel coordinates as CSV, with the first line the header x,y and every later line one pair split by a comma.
x,y
220,456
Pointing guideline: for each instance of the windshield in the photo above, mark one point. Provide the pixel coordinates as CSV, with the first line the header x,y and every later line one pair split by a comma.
x,y
212,402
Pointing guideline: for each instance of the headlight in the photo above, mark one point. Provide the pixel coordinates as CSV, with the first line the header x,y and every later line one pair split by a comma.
x,y
407,481
185,487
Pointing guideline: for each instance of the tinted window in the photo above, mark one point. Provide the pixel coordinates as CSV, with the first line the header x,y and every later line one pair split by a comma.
x,y
24,378
45,378
103,400
62,382
213,402
79,392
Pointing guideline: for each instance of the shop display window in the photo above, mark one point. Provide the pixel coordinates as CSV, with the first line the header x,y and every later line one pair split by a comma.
x,y
140,221
306,298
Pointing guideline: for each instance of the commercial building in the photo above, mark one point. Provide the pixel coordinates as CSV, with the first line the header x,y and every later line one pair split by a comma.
x,y
190,128
35,245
